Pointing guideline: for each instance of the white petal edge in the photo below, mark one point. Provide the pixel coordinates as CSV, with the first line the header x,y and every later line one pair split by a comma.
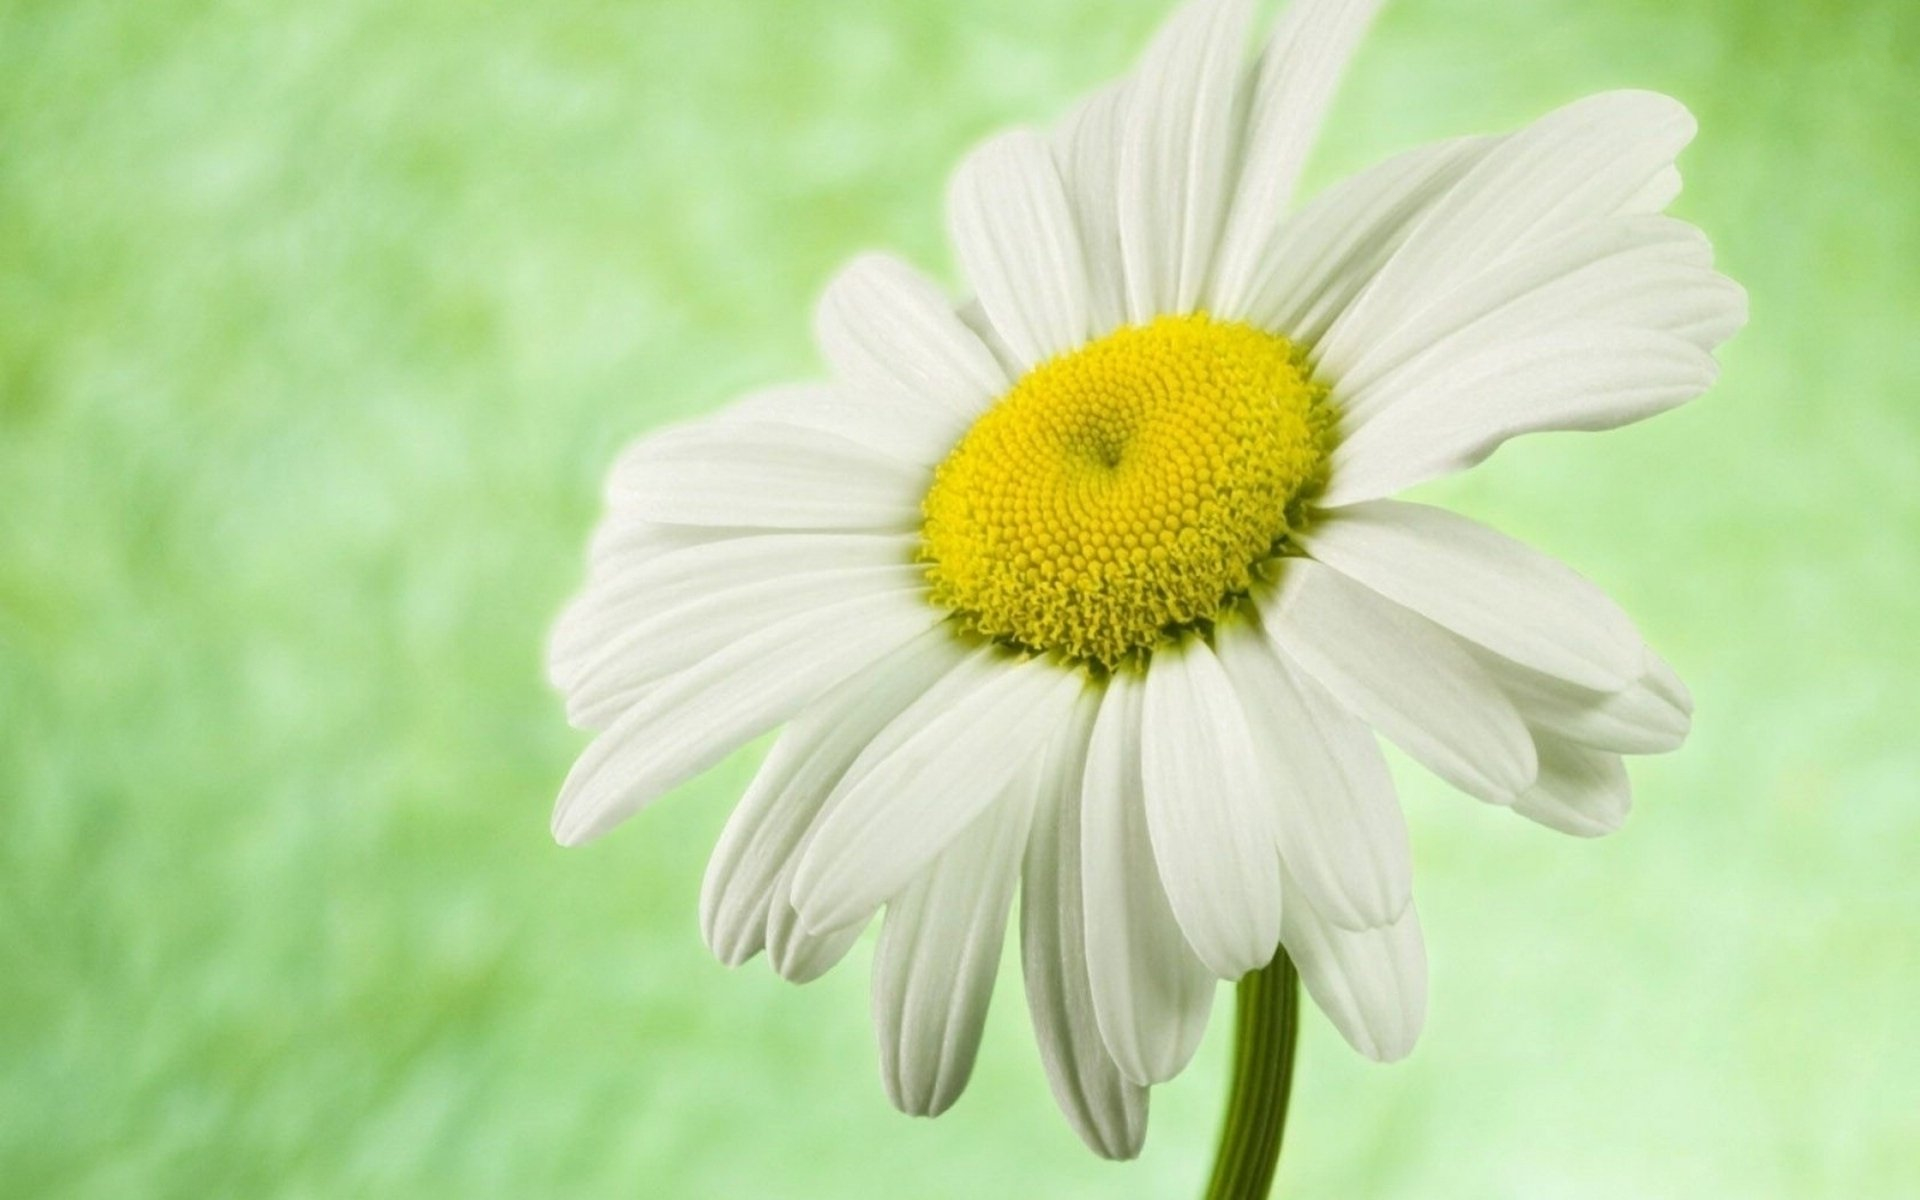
x,y
1372,984
1293,84
1581,791
1483,586
1642,272
1182,131
925,778
912,434
618,600
890,333
796,954
753,859
1650,716
767,474
1151,995
1086,146
1577,377
1325,254
1342,834
1578,163
1106,1109
933,971
701,714
681,637
1013,230
1402,675
1209,811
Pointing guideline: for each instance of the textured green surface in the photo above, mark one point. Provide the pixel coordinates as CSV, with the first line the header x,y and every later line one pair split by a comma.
x,y
318,324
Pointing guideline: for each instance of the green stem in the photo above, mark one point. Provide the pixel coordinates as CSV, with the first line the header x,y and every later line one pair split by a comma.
x,y
1266,1030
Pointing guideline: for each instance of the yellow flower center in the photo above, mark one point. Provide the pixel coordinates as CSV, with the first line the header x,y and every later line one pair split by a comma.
x,y
1127,489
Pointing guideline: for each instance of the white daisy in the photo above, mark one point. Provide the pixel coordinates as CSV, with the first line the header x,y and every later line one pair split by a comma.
x,y
1091,588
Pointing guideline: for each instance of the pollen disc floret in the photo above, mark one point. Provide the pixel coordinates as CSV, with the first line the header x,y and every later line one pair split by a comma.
x,y
1126,489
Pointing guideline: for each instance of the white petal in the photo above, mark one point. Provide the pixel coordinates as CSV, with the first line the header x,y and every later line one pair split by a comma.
x,y
679,637
1086,147
779,476
1578,376
1484,586
623,540
925,778
796,954
1650,716
1327,253
1013,231
1372,984
1581,791
1642,272
617,601
1176,160
1655,194
757,849
1342,835
939,949
913,434
695,718
1209,813
1151,995
1402,675
890,333
1661,678
1577,164
620,544
1106,1109
975,318
1292,87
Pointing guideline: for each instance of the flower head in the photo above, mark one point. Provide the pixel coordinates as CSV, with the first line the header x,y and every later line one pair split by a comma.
x,y
1091,589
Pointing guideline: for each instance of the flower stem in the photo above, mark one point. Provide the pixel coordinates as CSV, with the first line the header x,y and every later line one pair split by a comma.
x,y
1266,1030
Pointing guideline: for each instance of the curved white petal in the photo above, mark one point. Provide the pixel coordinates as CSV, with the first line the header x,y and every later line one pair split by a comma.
x,y
1151,995
1326,254
1086,147
975,318
925,778
1402,675
1013,231
796,954
742,473
1342,834
1652,715
679,637
1577,376
913,434
1105,1108
1372,984
1581,791
1642,272
1182,127
1209,813
1579,163
617,601
695,718
753,860
890,333
1484,586
939,948
619,544
622,539
1661,679
1292,86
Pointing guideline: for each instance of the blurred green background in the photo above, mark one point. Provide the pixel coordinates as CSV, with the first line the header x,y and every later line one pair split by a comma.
x,y
318,326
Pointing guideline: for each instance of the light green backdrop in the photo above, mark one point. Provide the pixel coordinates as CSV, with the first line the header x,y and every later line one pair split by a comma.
x,y
319,323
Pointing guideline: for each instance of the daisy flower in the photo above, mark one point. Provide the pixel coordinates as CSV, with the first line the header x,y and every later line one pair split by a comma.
x,y
1090,589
